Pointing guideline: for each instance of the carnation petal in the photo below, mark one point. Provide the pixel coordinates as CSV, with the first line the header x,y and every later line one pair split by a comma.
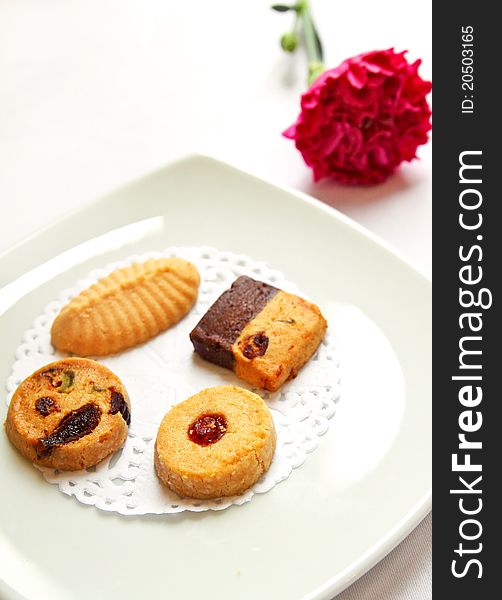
x,y
357,76
290,132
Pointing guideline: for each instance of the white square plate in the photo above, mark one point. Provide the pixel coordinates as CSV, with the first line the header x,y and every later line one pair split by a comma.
x,y
364,488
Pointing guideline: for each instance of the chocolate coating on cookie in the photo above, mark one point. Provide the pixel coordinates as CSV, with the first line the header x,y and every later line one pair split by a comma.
x,y
220,327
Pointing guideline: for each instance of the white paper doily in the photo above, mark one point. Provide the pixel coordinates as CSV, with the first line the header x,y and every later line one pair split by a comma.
x,y
165,371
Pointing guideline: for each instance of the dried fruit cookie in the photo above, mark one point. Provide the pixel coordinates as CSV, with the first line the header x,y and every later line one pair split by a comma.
x,y
69,414
126,308
217,443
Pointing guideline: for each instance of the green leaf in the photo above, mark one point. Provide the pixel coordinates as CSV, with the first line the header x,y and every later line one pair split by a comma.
x,y
282,7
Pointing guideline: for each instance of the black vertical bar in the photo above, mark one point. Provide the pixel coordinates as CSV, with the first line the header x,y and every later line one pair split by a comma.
x,y
467,259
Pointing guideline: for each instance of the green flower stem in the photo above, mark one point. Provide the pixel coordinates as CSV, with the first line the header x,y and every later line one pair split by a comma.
x,y
315,63
313,46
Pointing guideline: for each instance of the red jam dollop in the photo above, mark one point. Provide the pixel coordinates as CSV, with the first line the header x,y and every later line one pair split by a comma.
x,y
207,429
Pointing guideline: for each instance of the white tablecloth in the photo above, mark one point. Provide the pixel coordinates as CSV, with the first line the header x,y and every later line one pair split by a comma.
x,y
97,92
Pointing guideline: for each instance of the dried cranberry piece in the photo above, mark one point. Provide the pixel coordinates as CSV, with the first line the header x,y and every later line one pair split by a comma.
x,y
72,427
46,405
63,380
51,375
118,404
207,429
255,345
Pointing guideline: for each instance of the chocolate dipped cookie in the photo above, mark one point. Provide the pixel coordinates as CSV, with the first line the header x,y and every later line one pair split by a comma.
x,y
216,443
262,333
69,414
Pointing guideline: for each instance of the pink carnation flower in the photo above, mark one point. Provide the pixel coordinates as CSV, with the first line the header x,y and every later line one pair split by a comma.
x,y
360,120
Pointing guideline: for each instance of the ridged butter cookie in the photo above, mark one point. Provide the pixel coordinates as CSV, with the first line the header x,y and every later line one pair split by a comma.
x,y
69,414
261,332
217,443
126,308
